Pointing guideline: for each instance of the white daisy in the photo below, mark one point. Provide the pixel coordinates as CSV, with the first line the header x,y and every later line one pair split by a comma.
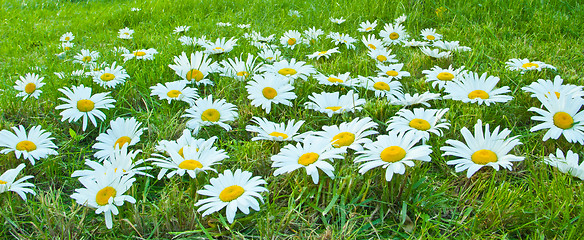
x,y
401,19
544,88
8,182
66,46
367,26
482,149
381,86
74,74
121,132
332,103
86,57
342,38
28,86
125,33
206,112
393,34
191,161
268,88
122,50
311,155
187,41
563,117
434,53
195,70
337,20
223,24
135,9
181,29
326,54
408,100
243,26
80,103
67,37
270,55
451,46
420,121
186,139
143,54
439,76
240,70
349,134
382,55
312,35
176,90
120,160
33,146
272,131
393,71
110,77
294,13
526,65
475,89
566,164
291,39
220,46
393,152
237,190
292,69
335,80
415,43
371,42
429,34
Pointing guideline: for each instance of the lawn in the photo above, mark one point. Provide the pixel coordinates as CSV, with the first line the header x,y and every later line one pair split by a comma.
x,y
430,200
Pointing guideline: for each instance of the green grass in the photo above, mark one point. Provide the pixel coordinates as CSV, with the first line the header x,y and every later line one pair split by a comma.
x,y
533,201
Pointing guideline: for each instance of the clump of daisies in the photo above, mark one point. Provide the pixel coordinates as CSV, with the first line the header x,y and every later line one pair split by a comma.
x,y
34,145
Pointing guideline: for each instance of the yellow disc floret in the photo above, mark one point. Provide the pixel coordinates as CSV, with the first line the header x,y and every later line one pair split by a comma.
x,y
278,134
430,37
242,74
291,41
445,76
85,105
173,93
195,74
139,53
334,80
392,73
287,71
121,141
563,120
2,182
211,115
29,88
308,158
381,86
103,196
190,164
26,146
269,93
392,154
393,36
106,77
343,139
420,124
381,58
231,193
371,46
334,108
478,94
529,65
86,59
483,157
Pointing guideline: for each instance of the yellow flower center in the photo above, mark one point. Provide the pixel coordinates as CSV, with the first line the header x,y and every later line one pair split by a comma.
x,y
322,53
173,93
483,157
287,71
29,88
334,80
107,77
445,76
269,93
392,73
126,33
478,94
26,146
86,59
104,195
371,46
2,182
334,108
67,48
420,124
181,152
563,120
381,86
279,134
219,49
343,139
393,36
67,38
85,105
291,41
529,64
381,58
211,115
368,29
196,74
243,74
121,141
392,154
190,164
139,53
430,37
307,158
231,193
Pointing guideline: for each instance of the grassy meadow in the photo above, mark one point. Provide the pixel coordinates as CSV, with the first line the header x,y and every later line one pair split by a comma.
x,y
430,201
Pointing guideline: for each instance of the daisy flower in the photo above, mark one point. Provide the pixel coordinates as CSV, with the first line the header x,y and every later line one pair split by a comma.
x,y
66,46
415,43
430,34
349,135
220,46
28,86
292,69
563,117
392,152
342,38
187,41
439,76
268,88
382,86
311,155
270,55
8,182
272,131
408,100
341,79
121,161
434,53
393,71
80,103
312,35
482,149
240,70
176,90
332,103
186,139
393,34
337,20
294,13
451,46
143,54
86,57
237,190
135,9
367,26
382,55
195,70
420,121
524,65
263,45
105,194
206,112
33,146
190,161
122,50
243,26
566,164
75,73
181,29
121,132
544,88
291,38
224,24
110,77
67,37
326,54
475,89
125,33
371,42
401,19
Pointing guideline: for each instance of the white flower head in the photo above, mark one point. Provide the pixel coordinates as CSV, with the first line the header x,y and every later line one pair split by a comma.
x,y
34,145
367,26
28,86
270,88
475,89
420,121
8,182
566,163
272,131
122,132
80,103
176,90
334,103
125,33
206,112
